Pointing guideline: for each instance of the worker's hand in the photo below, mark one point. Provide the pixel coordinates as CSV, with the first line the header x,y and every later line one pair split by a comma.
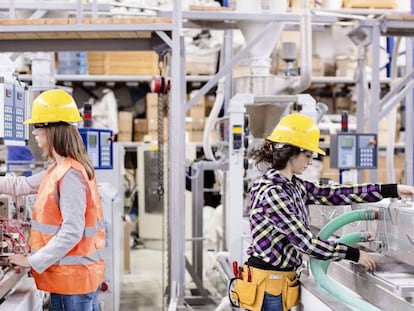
x,y
18,260
366,260
405,191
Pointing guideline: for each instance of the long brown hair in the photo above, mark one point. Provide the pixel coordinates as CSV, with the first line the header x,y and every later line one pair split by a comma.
x,y
65,140
276,156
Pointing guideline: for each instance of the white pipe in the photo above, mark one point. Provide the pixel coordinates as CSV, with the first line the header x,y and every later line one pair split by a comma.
x,y
306,50
392,119
211,121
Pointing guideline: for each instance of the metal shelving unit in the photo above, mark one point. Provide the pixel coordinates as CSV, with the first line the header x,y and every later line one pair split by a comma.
x,y
111,78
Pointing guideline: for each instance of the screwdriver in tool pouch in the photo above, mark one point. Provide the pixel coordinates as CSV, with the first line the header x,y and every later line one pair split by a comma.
x,y
235,269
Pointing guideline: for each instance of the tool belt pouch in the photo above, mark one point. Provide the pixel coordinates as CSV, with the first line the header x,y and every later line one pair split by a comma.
x,y
281,283
245,294
291,292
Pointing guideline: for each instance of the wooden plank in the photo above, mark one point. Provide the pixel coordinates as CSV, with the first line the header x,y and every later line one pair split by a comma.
x,y
59,21
209,8
400,17
80,34
370,4
25,36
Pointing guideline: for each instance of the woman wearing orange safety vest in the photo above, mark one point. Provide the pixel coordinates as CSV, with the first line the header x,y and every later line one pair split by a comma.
x,y
67,232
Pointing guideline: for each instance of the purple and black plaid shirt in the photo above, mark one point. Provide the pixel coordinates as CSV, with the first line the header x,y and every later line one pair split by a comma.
x,y
279,218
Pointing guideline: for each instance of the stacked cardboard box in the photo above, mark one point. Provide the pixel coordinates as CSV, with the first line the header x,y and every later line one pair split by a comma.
x,y
123,63
140,129
125,125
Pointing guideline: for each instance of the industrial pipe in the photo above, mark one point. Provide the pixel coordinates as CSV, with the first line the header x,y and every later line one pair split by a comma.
x,y
306,51
320,267
347,218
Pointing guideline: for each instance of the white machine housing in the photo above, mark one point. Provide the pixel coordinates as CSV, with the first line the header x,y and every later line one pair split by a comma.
x,y
109,297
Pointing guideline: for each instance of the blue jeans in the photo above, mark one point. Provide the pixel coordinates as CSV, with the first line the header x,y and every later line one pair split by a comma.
x,y
272,303
82,302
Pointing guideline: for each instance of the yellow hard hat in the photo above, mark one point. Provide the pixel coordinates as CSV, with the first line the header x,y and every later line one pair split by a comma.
x,y
297,130
54,106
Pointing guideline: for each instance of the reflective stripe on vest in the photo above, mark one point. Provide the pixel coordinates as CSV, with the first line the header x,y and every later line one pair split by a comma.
x,y
52,229
82,269
79,260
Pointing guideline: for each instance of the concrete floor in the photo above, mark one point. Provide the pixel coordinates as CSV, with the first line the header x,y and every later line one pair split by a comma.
x,y
142,288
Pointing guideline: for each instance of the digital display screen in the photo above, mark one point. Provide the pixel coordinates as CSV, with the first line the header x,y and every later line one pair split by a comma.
x,y
347,142
92,140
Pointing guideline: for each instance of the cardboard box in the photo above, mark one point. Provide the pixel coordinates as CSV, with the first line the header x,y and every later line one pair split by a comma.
x,y
123,63
195,135
125,123
141,126
139,137
345,66
318,67
124,136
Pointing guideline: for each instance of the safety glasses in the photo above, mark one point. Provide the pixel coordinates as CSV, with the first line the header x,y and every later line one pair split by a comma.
x,y
310,154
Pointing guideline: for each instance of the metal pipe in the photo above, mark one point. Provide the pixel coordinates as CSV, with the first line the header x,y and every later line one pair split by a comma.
x,y
395,100
306,48
396,88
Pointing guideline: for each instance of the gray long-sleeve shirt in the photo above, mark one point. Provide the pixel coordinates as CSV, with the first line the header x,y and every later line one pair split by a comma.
x,y
71,198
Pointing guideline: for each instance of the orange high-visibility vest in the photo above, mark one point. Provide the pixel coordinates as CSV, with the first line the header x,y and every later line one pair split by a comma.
x,y
82,269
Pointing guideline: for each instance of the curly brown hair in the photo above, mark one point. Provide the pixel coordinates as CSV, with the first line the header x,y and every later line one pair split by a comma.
x,y
275,154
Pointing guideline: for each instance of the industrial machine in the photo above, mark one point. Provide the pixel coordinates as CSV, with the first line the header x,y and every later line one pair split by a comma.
x,y
110,295
12,113
353,151
98,144
100,148
388,239
17,289
151,205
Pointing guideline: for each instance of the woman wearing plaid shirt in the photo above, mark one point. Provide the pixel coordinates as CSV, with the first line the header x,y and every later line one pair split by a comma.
x,y
279,214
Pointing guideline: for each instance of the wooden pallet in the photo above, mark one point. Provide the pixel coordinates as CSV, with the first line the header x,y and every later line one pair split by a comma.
x,y
370,4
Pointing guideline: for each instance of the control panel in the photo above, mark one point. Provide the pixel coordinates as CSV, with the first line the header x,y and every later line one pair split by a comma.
x,y
98,143
353,151
12,114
